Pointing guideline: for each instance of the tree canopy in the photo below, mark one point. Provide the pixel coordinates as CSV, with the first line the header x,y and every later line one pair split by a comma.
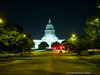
x,y
43,45
13,38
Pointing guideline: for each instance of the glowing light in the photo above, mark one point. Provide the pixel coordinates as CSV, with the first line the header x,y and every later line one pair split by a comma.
x,y
91,39
55,48
61,47
49,20
24,35
97,19
73,35
99,6
1,21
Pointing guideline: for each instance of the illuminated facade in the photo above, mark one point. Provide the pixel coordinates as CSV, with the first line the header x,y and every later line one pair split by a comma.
x,y
49,36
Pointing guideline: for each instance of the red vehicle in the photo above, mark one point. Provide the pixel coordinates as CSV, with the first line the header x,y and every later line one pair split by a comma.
x,y
60,47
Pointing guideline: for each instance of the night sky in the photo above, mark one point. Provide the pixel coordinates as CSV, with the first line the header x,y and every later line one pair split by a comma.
x,y
68,16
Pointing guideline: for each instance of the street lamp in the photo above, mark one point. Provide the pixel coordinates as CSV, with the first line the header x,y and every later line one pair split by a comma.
x,y
99,6
24,35
97,19
1,21
73,35
93,44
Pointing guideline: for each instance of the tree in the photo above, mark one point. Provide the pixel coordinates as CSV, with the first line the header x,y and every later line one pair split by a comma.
x,y
78,43
13,38
43,45
93,27
55,44
29,43
68,46
97,43
93,31
73,39
65,43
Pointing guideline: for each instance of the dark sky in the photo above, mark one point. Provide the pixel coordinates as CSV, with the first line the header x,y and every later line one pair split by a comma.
x,y
68,16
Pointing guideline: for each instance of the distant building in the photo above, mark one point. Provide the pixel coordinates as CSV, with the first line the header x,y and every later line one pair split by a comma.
x,y
49,36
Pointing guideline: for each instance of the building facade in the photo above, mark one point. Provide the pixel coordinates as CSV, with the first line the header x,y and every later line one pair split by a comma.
x,y
49,36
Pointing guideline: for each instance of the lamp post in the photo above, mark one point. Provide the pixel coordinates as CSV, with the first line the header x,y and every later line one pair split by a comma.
x,y
24,46
93,44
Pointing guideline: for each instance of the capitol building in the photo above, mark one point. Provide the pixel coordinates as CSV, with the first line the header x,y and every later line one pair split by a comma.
x,y
49,36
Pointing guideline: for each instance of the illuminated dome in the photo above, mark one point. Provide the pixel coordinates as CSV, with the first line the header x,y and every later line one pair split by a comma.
x,y
49,35
49,27
49,32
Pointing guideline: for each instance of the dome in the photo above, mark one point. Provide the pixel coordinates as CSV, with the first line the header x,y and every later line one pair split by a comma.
x,y
49,27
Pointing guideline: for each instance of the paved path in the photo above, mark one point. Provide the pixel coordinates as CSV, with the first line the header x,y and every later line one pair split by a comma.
x,y
47,65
